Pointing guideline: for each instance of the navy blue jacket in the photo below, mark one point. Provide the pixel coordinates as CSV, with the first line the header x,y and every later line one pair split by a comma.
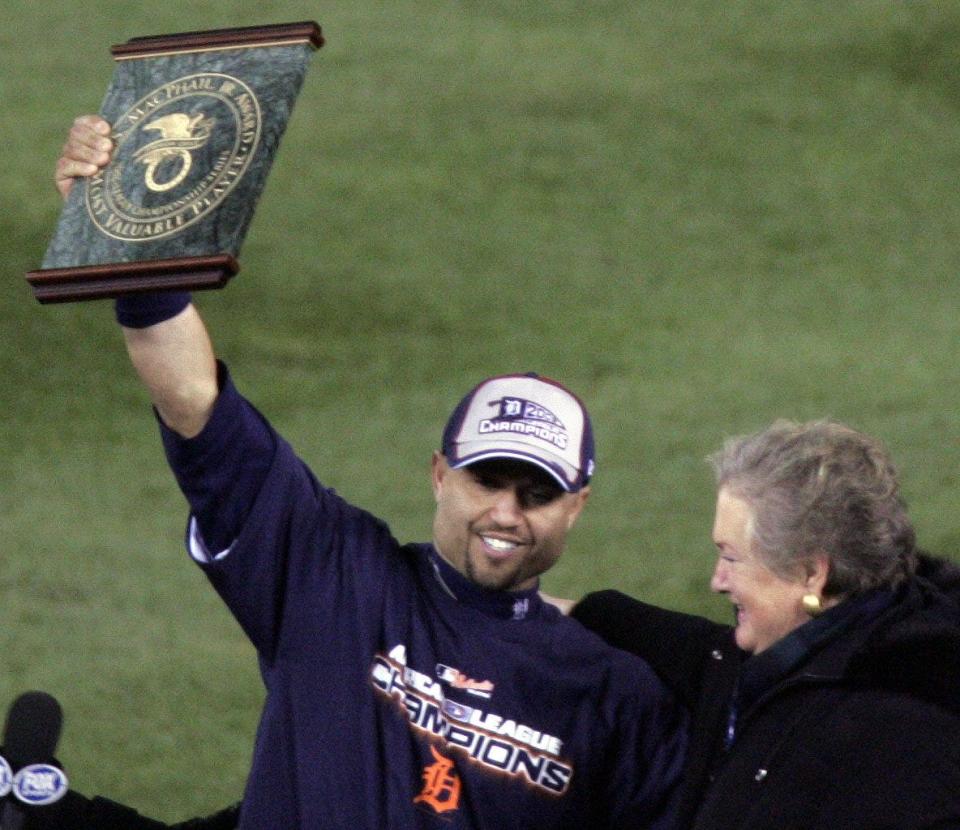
x,y
399,694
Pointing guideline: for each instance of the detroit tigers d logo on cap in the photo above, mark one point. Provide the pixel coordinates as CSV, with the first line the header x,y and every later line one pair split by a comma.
x,y
528,417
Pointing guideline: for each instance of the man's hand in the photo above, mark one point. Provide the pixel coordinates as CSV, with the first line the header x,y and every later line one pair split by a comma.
x,y
87,149
565,605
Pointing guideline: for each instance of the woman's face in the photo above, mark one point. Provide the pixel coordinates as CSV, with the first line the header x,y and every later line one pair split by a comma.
x,y
768,607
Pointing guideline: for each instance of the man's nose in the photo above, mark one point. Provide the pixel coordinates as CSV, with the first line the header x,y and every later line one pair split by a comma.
x,y
507,508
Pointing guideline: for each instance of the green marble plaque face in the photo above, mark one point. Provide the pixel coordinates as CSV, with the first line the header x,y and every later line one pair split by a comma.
x,y
195,133
181,151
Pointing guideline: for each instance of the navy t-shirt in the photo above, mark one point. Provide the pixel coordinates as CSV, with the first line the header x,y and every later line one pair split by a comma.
x,y
400,695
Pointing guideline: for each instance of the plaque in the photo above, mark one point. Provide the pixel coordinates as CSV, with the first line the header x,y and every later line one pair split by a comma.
x,y
196,120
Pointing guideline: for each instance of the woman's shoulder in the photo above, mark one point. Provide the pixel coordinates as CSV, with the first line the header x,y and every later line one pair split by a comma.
x,y
942,574
914,649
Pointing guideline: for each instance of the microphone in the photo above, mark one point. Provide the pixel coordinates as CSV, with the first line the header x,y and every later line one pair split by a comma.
x,y
30,738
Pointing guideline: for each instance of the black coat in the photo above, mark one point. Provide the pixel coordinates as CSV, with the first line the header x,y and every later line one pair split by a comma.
x,y
864,735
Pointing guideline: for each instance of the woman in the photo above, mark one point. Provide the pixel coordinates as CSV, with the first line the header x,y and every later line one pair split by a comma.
x,y
834,702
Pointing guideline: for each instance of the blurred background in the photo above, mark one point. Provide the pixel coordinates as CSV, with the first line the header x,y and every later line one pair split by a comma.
x,y
700,216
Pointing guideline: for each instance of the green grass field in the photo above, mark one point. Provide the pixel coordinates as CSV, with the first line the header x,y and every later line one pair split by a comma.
x,y
700,216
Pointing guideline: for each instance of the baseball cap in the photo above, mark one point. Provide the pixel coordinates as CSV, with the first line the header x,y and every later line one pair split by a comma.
x,y
525,417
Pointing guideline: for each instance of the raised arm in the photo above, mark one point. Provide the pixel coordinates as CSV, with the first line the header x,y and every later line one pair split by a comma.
x,y
166,339
174,359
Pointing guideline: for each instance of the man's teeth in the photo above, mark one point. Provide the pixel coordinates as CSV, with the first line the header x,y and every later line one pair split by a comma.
x,y
499,544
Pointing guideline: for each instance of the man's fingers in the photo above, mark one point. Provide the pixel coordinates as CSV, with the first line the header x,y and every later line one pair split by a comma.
x,y
87,143
69,168
95,154
86,150
84,124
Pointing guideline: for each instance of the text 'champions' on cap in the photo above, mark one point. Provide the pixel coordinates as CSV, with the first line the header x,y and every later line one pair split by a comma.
x,y
524,417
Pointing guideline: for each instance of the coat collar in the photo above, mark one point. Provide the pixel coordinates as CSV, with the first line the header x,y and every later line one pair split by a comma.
x,y
915,648
911,647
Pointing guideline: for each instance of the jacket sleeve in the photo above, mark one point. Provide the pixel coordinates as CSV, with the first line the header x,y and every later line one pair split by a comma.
x,y
77,812
226,819
221,470
677,646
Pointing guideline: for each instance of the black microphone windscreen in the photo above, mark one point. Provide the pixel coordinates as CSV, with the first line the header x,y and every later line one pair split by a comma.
x,y
32,729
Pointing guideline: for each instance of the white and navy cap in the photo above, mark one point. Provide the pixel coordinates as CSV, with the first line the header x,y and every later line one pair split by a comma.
x,y
525,417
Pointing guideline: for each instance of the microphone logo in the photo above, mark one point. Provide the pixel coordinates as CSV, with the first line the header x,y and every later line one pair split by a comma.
x,y
6,777
40,784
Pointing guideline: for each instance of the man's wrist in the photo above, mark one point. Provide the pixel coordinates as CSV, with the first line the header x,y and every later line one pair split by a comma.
x,y
138,311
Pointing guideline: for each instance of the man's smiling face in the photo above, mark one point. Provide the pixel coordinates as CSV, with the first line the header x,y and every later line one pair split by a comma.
x,y
501,522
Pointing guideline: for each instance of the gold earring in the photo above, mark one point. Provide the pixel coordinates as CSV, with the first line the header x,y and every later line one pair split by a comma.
x,y
812,605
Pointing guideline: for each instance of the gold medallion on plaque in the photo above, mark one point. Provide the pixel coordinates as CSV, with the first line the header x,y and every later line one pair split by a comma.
x,y
180,150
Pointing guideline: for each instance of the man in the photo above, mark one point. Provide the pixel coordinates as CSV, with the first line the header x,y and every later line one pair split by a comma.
x,y
418,685
77,812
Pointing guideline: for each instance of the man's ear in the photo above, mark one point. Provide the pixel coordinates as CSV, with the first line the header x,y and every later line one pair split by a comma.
x,y
438,469
581,499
